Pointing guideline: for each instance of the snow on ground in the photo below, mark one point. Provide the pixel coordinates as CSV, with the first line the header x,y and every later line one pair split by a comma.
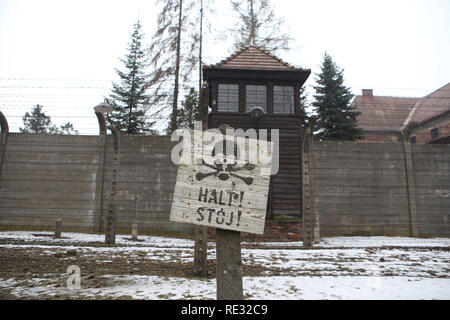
x,y
335,242
337,268
86,238
255,288
363,242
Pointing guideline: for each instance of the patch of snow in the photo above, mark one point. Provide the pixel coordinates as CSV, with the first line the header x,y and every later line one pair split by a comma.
x,y
83,238
337,268
255,288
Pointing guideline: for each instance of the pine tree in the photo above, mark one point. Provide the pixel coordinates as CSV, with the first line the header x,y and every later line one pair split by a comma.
x,y
189,113
336,118
129,96
67,129
303,104
38,122
258,26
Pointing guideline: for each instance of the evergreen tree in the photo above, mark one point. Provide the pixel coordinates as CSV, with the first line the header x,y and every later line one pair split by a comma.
x,y
336,118
189,113
303,104
258,26
129,96
67,129
38,122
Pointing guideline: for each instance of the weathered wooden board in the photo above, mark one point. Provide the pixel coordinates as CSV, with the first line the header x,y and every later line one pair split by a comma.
x,y
232,197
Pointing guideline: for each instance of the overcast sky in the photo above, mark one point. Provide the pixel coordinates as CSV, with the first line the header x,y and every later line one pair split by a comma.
x,y
62,54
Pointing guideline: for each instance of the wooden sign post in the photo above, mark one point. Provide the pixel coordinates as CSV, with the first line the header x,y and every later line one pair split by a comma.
x,y
58,228
228,265
223,182
201,251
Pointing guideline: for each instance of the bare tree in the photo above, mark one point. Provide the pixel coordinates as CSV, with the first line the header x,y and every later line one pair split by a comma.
x,y
259,26
200,61
173,54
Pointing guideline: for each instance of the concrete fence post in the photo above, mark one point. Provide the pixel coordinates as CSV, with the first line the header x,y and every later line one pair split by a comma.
x,y
316,226
312,189
134,225
134,231
3,136
100,175
410,183
110,229
308,211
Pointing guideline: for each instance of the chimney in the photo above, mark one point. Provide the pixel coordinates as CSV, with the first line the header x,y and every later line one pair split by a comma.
x,y
367,96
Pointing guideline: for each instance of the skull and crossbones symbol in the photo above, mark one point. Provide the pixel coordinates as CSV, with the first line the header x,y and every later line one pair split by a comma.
x,y
226,165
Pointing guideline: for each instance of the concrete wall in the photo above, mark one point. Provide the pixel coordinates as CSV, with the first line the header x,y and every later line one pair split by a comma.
x,y
45,177
360,188
432,189
365,189
145,170
382,136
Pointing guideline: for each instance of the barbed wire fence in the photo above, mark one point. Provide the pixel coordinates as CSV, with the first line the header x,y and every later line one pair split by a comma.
x,y
73,100
65,100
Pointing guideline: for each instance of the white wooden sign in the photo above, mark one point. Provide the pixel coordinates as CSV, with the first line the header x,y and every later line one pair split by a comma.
x,y
226,190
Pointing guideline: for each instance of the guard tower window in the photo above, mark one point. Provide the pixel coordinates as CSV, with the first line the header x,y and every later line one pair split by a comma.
x,y
255,95
434,133
228,98
283,99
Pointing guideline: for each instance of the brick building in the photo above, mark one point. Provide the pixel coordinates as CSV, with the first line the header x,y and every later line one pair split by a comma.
x,y
432,115
384,119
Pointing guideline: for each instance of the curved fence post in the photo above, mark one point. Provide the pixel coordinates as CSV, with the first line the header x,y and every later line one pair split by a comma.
x,y
410,183
100,181
110,232
308,211
110,225
101,121
3,136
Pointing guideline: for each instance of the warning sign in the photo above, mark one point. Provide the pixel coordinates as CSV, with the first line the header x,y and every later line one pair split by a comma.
x,y
223,182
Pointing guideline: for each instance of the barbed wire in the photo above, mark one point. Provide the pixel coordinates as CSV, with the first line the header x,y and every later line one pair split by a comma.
x,y
52,79
84,117
57,102
108,88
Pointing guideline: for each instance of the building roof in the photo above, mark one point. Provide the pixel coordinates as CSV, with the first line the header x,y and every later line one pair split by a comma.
x,y
382,113
432,105
253,58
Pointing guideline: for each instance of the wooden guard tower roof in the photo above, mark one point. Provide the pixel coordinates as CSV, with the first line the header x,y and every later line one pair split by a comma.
x,y
254,58
256,61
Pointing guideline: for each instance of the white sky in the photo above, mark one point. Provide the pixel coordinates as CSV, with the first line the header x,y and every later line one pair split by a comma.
x,y
62,54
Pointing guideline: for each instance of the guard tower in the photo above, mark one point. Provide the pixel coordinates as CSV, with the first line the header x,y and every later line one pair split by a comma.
x,y
254,89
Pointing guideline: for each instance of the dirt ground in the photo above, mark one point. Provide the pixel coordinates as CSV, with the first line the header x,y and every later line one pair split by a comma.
x,y
43,259
25,263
